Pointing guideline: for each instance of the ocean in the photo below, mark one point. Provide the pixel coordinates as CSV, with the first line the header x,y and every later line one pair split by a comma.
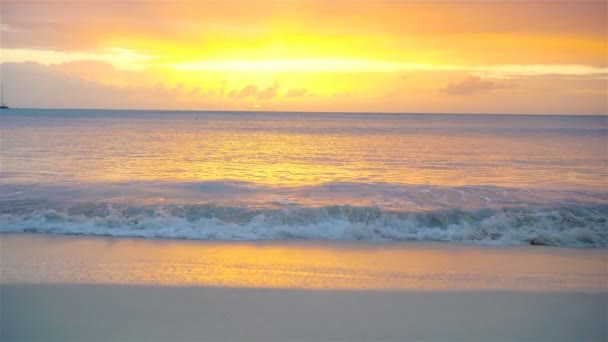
x,y
481,179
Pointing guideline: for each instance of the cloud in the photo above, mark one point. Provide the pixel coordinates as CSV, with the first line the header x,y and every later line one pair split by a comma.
x,y
86,69
189,33
102,72
195,92
254,92
75,85
34,85
269,92
70,25
298,92
470,86
247,91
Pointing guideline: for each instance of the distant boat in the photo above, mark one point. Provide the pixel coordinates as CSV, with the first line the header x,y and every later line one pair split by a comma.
x,y
2,105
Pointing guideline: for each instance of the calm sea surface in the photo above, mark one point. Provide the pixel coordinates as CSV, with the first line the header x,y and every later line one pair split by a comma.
x,y
227,175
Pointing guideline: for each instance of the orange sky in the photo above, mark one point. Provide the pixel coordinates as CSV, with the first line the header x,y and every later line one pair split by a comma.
x,y
386,56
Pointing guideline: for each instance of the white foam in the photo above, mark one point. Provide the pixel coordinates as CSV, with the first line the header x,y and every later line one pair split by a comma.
x,y
575,226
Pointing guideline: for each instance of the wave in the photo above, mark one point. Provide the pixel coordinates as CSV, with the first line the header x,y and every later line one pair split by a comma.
x,y
575,226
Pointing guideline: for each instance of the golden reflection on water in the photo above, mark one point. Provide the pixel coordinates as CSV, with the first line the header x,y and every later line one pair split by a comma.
x,y
299,265
283,149
274,158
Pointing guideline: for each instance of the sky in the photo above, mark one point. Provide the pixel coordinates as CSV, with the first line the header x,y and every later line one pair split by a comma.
x,y
520,57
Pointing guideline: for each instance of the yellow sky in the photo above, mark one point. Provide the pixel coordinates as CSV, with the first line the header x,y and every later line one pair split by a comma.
x,y
389,56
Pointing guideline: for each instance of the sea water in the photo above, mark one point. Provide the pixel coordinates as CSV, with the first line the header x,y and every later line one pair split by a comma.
x,y
488,179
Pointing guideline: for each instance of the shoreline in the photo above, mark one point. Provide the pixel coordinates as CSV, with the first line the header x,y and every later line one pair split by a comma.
x,y
299,264
329,243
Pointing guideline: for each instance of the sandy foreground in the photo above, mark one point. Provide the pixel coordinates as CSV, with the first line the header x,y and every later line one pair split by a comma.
x,y
86,288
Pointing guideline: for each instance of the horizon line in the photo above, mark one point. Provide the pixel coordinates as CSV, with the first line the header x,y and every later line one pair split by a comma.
x,y
303,112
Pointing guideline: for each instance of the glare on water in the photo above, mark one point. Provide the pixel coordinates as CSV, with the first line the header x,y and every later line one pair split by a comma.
x,y
283,148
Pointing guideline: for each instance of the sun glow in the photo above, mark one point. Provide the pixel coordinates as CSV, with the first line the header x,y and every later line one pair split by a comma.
x,y
300,65
313,55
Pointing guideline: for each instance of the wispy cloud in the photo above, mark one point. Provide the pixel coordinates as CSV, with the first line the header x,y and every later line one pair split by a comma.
x,y
299,92
253,91
471,85
94,84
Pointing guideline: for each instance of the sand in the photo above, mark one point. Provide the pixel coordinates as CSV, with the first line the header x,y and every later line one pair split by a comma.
x,y
73,288
97,312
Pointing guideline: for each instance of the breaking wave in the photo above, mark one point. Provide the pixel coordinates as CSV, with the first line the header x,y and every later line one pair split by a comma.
x,y
576,226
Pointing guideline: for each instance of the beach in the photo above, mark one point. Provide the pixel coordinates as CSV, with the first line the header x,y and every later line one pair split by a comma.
x,y
169,225
93,288
311,170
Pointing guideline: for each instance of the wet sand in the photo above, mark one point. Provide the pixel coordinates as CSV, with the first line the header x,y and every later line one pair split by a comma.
x,y
82,288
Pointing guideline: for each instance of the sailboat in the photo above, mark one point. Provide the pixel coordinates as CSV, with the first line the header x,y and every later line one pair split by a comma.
x,y
2,105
